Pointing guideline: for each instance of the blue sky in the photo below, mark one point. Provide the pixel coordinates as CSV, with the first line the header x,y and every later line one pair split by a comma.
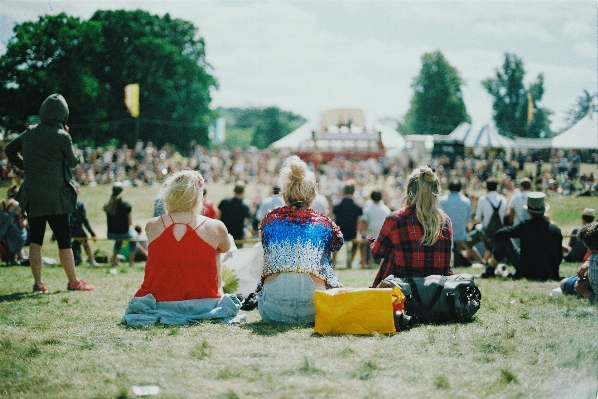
x,y
308,56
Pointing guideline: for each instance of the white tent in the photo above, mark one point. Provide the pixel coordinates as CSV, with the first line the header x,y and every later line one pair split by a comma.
x,y
296,137
390,137
486,136
584,134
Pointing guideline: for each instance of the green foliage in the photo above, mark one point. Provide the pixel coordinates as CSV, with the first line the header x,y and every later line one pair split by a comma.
x,y
230,281
437,105
258,127
584,104
511,103
90,63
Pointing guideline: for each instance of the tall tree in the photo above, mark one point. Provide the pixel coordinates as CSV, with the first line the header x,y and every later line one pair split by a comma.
x,y
51,55
437,105
516,112
91,62
167,58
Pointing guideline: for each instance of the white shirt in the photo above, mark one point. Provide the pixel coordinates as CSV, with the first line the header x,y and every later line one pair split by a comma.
x,y
375,215
484,210
516,203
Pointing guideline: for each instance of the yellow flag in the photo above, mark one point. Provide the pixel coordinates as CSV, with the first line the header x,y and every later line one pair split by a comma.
x,y
132,99
530,109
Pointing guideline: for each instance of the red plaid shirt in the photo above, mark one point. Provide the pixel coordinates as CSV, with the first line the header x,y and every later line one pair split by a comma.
x,y
404,256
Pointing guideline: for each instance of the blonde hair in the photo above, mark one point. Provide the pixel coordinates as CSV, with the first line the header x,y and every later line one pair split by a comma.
x,y
183,191
297,182
423,189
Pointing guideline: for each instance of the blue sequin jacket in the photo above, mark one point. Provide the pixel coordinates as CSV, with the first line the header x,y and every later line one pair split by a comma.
x,y
299,241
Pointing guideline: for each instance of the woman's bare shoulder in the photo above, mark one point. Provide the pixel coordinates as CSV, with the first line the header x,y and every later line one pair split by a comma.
x,y
154,227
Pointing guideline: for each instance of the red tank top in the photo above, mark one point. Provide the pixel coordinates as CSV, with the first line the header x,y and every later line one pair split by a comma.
x,y
180,270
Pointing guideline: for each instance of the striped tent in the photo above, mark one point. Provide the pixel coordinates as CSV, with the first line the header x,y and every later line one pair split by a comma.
x,y
486,136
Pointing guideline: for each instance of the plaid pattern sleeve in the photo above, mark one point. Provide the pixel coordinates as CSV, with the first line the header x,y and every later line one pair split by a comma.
x,y
404,256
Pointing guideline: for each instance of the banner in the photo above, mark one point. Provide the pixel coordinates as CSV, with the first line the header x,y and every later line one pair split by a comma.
x,y
132,99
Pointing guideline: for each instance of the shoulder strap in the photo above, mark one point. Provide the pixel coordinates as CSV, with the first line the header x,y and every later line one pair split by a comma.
x,y
496,208
199,225
162,219
435,297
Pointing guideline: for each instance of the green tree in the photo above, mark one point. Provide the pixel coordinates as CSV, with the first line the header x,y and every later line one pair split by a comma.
x,y
91,62
437,105
269,129
512,101
167,58
584,104
48,56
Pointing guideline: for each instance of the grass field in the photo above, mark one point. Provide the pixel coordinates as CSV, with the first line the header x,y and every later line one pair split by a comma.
x,y
523,343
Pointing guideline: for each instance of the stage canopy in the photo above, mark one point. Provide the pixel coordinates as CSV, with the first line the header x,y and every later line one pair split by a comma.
x,y
582,135
486,136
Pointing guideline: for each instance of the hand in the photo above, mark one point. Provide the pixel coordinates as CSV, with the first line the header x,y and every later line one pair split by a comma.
x,y
370,239
582,273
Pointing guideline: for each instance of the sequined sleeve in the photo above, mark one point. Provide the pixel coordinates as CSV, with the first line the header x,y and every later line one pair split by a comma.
x,y
299,241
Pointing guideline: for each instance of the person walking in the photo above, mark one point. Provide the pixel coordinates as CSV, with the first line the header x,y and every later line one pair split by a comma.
x,y
48,195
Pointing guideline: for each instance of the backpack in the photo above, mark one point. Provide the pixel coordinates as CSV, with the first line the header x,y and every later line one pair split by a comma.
x,y
438,299
495,221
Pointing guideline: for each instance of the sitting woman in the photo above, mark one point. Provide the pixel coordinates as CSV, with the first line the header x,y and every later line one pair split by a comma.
x,y
182,282
297,243
416,240
13,223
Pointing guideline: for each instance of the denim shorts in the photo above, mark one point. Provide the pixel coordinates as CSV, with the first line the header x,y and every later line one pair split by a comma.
x,y
288,299
569,286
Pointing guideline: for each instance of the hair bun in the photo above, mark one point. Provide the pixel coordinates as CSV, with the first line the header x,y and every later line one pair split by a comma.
x,y
427,174
297,173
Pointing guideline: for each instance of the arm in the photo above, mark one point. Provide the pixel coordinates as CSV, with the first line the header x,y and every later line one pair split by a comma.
x,y
12,151
66,146
86,220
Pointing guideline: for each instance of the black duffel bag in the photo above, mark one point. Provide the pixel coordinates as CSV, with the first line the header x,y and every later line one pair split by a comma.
x,y
438,299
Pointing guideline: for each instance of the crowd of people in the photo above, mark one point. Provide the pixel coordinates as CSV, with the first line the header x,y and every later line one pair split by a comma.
x,y
303,214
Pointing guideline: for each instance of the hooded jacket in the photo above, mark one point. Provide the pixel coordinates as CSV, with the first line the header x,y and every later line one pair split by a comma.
x,y
45,153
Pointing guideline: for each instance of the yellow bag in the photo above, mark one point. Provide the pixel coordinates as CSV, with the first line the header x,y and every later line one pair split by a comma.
x,y
356,310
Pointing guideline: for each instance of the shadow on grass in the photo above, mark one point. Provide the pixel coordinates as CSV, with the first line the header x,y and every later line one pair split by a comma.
x,y
261,328
17,296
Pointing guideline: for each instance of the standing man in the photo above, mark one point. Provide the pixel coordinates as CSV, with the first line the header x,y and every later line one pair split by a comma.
x,y
234,212
373,219
540,253
347,215
45,153
458,208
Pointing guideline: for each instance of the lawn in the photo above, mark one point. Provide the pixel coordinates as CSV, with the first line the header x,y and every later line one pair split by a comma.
x,y
523,343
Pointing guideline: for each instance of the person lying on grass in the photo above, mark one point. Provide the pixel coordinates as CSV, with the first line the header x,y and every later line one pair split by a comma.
x,y
182,281
585,283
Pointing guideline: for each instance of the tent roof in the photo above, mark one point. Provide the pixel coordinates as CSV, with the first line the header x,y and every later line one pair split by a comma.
x,y
584,134
486,136
390,137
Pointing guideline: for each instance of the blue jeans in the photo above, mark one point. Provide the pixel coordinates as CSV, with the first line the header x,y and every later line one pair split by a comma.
x,y
288,299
